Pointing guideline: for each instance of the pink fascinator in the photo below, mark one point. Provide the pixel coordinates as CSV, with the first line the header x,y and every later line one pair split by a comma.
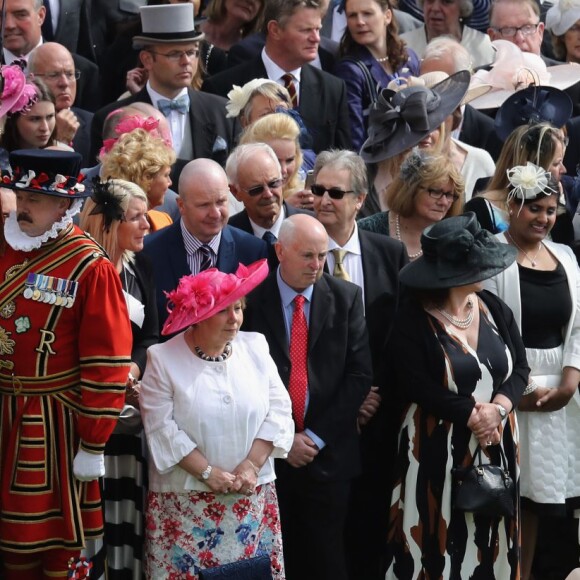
x,y
17,96
199,297
129,124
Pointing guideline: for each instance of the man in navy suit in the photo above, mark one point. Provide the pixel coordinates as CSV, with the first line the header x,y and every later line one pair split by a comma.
x,y
54,64
292,41
201,239
255,179
313,482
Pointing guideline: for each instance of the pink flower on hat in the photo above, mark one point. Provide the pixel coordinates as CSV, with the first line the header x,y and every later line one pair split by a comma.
x,y
16,88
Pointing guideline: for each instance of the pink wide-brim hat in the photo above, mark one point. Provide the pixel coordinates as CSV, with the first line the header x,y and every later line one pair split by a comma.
x,y
514,70
199,297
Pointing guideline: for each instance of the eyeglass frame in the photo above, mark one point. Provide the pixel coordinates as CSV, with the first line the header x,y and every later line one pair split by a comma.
x,y
532,28
76,75
176,55
256,190
333,192
439,193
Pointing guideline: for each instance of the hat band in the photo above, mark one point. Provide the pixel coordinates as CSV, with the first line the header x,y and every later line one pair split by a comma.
x,y
188,35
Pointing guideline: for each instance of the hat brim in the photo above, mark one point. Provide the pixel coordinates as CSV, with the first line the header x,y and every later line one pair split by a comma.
x,y
509,116
451,91
144,40
423,274
178,320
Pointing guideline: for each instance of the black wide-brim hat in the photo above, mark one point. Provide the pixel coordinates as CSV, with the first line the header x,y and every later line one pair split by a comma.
x,y
167,24
532,105
457,251
47,171
399,120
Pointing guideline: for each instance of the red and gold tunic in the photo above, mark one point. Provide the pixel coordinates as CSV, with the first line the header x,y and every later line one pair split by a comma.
x,y
65,346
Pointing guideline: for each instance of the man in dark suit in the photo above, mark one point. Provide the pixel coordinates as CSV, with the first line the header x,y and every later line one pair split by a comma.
x,y
54,64
201,239
255,179
328,380
292,42
70,26
371,261
23,33
169,53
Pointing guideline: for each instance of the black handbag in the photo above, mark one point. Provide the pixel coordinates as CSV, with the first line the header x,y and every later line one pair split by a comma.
x,y
484,489
257,568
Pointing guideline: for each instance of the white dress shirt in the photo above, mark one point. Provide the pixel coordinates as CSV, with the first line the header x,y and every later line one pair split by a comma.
x,y
275,73
219,408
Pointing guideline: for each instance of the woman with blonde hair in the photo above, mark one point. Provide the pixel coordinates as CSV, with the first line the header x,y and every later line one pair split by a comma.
x,y
427,189
116,217
282,133
146,160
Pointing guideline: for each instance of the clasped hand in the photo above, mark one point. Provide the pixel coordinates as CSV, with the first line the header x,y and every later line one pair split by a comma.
x,y
242,479
484,422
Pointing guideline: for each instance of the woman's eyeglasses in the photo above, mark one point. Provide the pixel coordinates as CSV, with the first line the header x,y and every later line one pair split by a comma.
x,y
333,192
439,193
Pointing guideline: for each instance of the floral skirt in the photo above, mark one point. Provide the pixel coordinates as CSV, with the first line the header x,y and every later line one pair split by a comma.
x,y
191,531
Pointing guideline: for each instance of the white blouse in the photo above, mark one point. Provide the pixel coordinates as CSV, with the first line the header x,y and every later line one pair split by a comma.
x,y
217,407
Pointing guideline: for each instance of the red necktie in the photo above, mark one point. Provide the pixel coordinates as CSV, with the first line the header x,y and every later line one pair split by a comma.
x,y
299,361
288,80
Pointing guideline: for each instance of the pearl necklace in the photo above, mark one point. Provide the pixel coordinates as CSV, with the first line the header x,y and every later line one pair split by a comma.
x,y
462,323
398,236
531,260
383,59
219,358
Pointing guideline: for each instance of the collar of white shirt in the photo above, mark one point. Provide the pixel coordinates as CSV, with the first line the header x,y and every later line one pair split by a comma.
x,y
259,231
274,72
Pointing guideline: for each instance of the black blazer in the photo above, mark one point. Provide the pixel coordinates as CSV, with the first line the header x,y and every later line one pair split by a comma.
x,y
74,30
167,253
322,106
339,366
89,84
207,117
148,334
82,140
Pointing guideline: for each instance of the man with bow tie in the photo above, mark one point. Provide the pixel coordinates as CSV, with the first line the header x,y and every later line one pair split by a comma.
x,y
169,47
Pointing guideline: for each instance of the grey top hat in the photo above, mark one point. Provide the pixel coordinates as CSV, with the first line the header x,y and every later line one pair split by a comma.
x,y
167,23
457,251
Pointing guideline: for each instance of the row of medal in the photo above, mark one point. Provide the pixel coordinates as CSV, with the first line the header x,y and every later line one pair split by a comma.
x,y
50,290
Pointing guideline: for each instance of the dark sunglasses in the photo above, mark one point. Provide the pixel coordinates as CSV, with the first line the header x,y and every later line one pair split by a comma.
x,y
259,189
333,192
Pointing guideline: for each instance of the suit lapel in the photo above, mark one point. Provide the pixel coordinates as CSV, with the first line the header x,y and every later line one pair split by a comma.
x,y
226,258
270,306
177,254
203,131
322,305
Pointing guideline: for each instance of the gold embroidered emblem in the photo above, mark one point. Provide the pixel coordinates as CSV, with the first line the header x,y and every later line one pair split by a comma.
x,y
13,270
46,340
8,309
6,343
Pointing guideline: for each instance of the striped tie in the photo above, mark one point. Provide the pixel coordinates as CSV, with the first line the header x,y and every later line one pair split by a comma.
x,y
205,257
288,81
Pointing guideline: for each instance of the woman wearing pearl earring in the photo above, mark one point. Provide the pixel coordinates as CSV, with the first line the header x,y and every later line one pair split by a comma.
x,y
542,289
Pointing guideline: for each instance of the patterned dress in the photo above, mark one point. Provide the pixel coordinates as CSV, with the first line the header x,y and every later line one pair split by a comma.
x,y
427,538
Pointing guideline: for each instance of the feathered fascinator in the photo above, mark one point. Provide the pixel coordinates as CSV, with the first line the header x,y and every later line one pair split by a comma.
x,y
239,97
106,202
528,181
17,95
199,297
127,125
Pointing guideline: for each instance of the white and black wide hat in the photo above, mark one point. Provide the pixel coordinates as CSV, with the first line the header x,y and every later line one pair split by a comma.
x,y
167,23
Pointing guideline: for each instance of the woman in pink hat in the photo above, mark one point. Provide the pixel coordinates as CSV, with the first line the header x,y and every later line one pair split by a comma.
x,y
215,414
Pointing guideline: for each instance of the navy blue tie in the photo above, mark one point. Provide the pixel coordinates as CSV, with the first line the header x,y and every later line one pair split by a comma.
x,y
269,238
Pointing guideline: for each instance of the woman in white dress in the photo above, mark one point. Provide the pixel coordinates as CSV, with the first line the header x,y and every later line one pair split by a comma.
x,y
543,290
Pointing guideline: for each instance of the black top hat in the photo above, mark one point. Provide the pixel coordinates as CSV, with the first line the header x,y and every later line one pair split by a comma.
x,y
533,105
46,171
399,120
457,252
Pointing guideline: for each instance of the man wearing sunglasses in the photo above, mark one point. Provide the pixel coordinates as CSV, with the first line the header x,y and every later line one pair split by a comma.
x,y
371,261
255,179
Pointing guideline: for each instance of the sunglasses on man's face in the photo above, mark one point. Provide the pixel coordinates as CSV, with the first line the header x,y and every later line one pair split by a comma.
x,y
333,192
259,189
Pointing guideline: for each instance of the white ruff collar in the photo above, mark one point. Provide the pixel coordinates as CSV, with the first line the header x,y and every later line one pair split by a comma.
x,y
18,240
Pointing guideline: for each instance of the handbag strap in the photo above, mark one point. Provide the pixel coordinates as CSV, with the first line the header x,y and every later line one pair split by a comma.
x,y
371,84
502,457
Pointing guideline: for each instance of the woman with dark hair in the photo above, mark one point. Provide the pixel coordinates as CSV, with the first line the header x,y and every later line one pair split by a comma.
x,y
542,290
459,366
372,55
34,128
228,21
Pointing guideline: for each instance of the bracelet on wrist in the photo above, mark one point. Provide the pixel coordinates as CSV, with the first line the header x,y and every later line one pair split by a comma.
x,y
532,386
132,380
254,467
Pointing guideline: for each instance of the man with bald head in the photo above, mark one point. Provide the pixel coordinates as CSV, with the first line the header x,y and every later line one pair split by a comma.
x,y
54,65
315,327
201,239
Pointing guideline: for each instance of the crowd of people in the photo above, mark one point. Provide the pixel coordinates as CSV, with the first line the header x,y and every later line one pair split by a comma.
x,y
277,277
